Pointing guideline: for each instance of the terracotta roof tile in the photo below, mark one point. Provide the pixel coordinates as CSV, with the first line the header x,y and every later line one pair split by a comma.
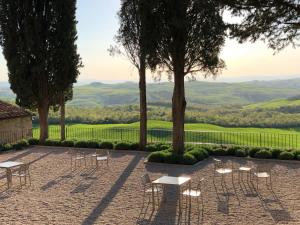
x,y
8,111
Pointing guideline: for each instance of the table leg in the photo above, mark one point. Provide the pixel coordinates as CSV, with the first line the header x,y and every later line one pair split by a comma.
x,y
179,194
153,198
8,177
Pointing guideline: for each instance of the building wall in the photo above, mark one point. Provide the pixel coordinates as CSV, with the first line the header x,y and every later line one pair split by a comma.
x,y
12,130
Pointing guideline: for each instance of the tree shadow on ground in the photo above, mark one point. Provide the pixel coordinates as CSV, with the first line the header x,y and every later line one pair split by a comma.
x,y
110,195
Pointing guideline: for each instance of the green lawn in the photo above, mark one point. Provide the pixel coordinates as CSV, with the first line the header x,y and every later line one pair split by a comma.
x,y
159,131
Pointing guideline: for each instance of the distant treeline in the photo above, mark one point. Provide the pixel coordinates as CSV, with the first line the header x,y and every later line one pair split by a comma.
x,y
231,116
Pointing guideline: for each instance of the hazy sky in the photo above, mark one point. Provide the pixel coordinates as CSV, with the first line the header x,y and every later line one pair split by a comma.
x,y
97,25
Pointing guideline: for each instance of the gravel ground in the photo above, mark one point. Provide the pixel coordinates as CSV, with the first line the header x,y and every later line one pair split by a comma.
x,y
113,195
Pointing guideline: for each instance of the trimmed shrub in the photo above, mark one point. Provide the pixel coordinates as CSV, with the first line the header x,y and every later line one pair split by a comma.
x,y
157,156
263,154
7,147
241,152
49,142
134,146
188,159
152,148
80,144
171,158
276,152
24,143
92,144
231,150
106,145
199,153
253,151
122,146
67,143
219,151
296,153
33,141
17,146
298,157
286,156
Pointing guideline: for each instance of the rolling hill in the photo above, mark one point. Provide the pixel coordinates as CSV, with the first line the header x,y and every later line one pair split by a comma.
x,y
198,92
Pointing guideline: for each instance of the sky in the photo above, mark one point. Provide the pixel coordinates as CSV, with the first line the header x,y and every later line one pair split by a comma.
x,y
98,24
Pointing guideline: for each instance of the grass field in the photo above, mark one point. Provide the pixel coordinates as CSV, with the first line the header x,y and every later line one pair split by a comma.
x,y
274,104
159,131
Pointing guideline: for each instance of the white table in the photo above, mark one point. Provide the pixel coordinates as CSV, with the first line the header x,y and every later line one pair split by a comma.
x,y
9,165
168,180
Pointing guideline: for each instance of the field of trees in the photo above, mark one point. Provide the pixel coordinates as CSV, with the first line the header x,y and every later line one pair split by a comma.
x,y
283,116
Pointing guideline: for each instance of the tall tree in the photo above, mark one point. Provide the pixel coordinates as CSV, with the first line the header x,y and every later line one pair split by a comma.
x,y
66,62
274,21
193,33
136,35
30,34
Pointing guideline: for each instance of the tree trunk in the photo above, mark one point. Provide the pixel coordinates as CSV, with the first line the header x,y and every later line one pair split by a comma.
x,y
178,112
43,111
62,118
143,105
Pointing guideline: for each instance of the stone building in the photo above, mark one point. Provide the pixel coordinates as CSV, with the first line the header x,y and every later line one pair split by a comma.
x,y
15,123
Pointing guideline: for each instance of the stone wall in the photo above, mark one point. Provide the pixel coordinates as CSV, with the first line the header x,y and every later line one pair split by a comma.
x,y
12,130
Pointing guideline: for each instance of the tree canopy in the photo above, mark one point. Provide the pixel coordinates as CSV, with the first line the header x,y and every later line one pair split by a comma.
x,y
38,40
192,34
274,21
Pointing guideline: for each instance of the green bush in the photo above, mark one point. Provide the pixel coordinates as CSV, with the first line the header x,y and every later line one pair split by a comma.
x,y
219,151
231,150
298,157
17,146
242,152
253,151
33,141
188,159
134,146
199,153
263,154
296,153
122,146
157,156
92,144
24,143
106,145
50,142
80,144
286,156
170,157
276,152
1,147
67,143
7,147
152,148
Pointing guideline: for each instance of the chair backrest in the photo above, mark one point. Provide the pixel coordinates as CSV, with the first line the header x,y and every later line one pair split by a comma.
x,y
24,168
264,167
145,179
101,152
200,184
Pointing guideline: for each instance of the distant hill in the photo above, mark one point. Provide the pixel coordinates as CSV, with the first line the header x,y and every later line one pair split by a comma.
x,y
198,92
276,104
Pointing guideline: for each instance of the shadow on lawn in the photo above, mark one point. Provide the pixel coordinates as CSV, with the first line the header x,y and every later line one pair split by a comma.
x,y
108,198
